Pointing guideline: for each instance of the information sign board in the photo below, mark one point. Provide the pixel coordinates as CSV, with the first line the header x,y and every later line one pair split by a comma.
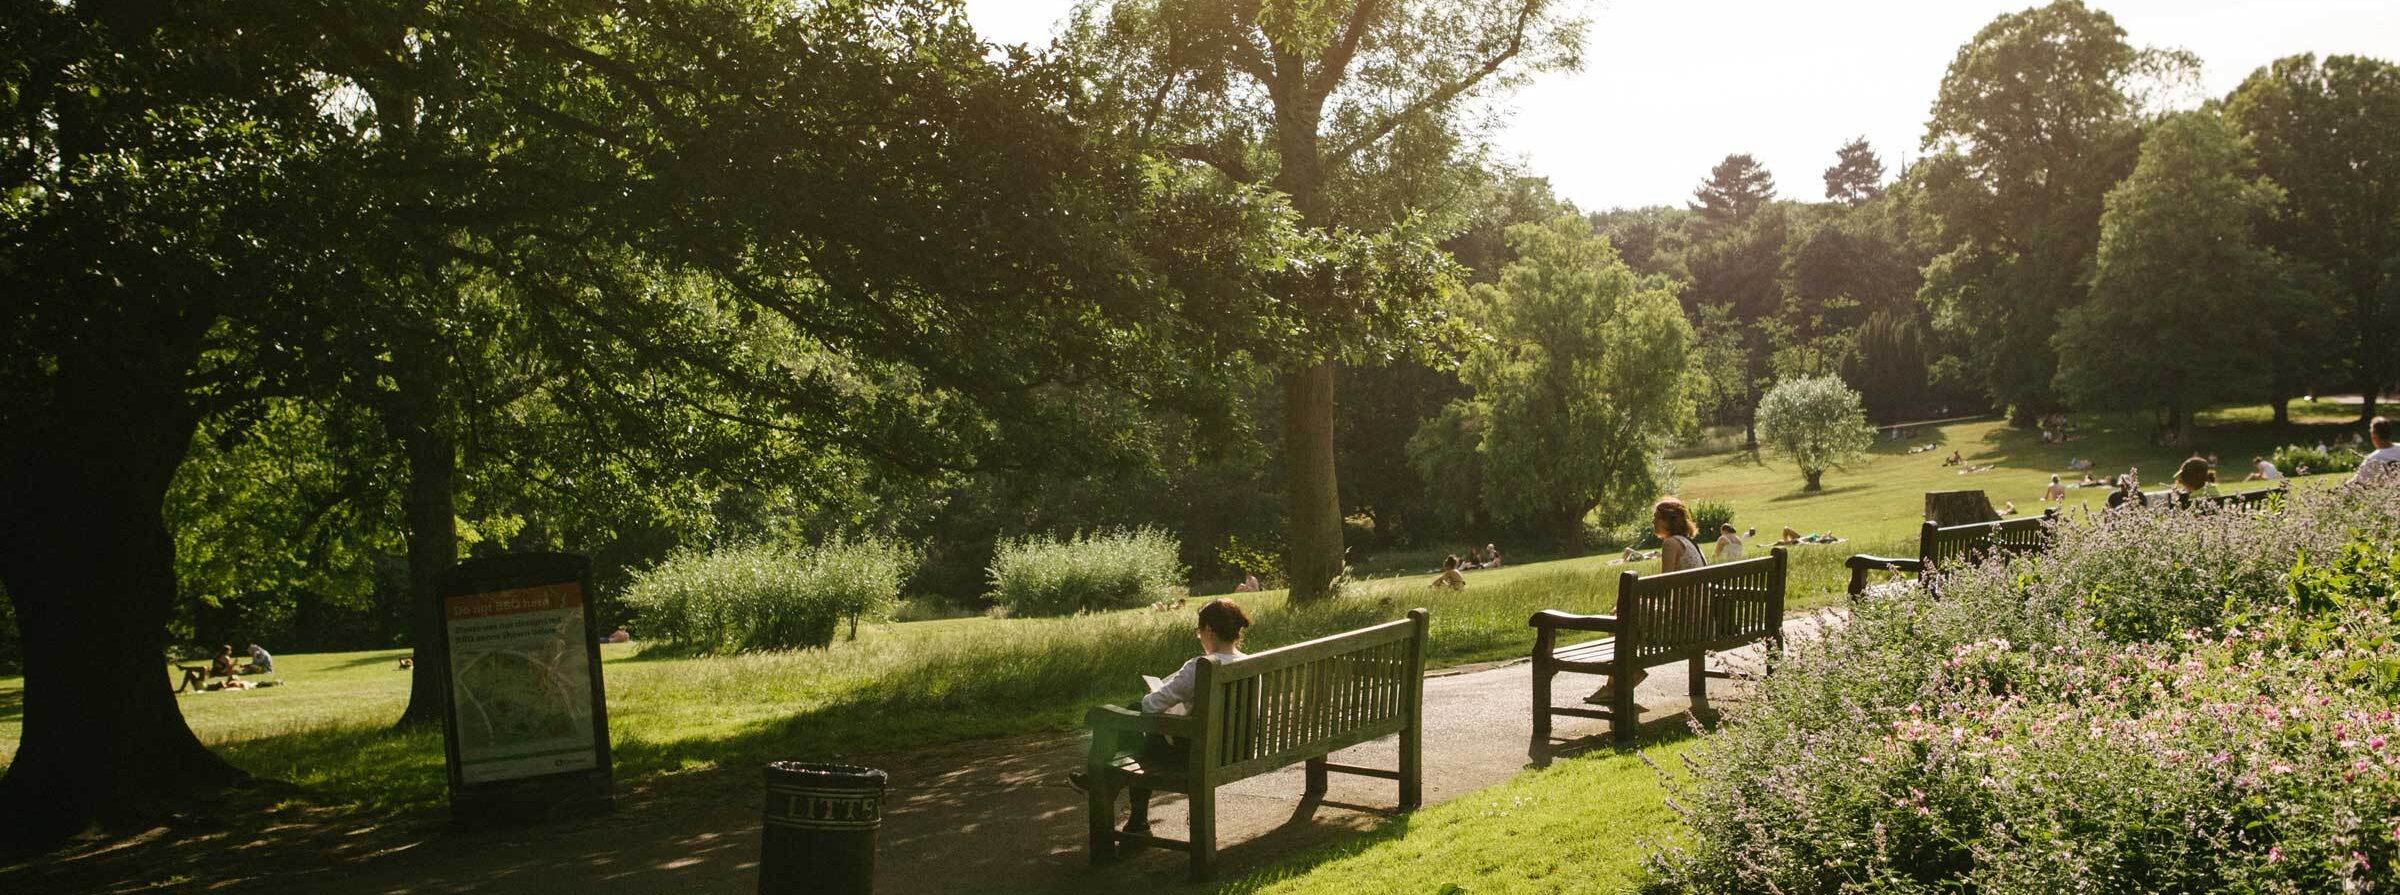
x,y
527,719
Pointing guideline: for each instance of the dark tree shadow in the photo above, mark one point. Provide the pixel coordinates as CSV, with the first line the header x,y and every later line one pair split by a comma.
x,y
1802,494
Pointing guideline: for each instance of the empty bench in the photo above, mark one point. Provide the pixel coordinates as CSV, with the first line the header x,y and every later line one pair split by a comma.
x,y
1953,545
1260,713
1659,620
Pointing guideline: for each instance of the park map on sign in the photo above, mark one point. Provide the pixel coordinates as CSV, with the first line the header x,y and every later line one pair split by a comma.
x,y
521,678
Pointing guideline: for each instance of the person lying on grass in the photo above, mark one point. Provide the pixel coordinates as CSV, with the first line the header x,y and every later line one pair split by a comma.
x,y
1672,522
1220,635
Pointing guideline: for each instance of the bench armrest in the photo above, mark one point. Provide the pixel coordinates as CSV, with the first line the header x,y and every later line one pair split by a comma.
x,y
1870,563
1861,564
1118,719
1554,619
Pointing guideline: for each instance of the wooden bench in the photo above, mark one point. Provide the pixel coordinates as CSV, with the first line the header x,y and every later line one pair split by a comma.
x,y
1260,713
2247,500
1941,545
1659,620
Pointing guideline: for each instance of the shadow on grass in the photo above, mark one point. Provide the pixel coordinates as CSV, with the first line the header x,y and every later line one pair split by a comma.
x,y
1804,494
12,704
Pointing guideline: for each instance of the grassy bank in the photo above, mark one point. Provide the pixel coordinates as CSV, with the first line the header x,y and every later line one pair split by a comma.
x,y
1573,829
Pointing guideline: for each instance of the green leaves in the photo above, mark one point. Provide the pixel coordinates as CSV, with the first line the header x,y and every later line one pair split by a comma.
x,y
1816,421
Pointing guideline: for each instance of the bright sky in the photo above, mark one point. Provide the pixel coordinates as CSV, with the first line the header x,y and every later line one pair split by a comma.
x,y
1669,87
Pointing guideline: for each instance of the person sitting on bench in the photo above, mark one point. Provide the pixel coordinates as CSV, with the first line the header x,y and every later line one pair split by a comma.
x,y
1220,634
1672,522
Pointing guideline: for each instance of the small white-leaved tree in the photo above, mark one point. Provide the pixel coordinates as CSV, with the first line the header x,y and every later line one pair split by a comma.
x,y
1817,421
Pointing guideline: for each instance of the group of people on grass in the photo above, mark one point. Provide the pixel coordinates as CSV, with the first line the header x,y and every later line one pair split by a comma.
x,y
2197,476
224,665
1485,557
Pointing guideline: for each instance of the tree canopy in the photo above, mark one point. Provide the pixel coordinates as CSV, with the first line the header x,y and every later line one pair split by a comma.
x,y
1816,421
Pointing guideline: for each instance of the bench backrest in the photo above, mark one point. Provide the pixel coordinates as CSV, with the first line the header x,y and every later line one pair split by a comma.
x,y
2247,500
1661,618
1939,546
1267,710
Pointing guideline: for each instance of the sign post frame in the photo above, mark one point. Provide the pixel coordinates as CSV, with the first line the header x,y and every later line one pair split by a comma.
x,y
534,797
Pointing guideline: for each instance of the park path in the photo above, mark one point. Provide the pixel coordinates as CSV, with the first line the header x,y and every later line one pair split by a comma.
x,y
996,816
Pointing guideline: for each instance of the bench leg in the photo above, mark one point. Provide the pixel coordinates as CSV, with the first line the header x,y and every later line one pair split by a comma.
x,y
1623,717
1697,670
1204,832
1539,751
1316,779
1412,765
1102,808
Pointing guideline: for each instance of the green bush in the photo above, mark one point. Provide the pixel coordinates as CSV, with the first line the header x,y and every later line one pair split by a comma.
x,y
767,596
1707,515
2292,458
2185,702
1085,573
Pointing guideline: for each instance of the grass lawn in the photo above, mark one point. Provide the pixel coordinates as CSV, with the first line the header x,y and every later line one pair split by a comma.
x,y
918,683
1571,829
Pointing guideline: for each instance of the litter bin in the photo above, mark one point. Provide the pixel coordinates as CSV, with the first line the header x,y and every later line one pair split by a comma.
x,y
820,829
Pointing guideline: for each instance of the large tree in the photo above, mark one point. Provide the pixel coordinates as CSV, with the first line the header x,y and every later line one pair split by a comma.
x,y
1353,111
189,226
1586,376
2034,122
2179,256
2328,133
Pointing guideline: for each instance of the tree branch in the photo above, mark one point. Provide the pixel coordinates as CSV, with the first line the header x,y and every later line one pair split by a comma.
x,y
1226,163
1442,95
1337,57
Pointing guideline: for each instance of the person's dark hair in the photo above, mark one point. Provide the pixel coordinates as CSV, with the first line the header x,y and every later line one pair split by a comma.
x,y
1225,619
1725,528
1450,563
2383,428
2195,474
1677,517
225,648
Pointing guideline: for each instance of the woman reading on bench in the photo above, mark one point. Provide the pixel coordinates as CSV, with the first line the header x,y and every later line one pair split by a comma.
x,y
1672,521
1220,634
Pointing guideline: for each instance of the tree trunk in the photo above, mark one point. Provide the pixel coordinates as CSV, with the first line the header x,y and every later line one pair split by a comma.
x,y
90,568
2282,403
1815,479
417,419
1566,527
1313,504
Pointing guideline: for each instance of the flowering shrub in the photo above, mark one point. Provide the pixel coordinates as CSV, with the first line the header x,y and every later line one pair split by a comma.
x,y
2163,703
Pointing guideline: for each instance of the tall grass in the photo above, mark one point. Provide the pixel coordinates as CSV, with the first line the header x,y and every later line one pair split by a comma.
x,y
768,596
1039,576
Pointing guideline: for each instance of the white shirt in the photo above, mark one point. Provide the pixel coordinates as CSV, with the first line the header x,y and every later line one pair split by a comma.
x,y
2380,464
2267,470
1176,692
1729,547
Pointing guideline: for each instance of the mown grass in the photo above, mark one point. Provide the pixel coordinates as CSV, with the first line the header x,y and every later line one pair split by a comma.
x,y
1573,829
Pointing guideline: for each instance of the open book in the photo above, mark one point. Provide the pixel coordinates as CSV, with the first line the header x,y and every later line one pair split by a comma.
x,y
1151,685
